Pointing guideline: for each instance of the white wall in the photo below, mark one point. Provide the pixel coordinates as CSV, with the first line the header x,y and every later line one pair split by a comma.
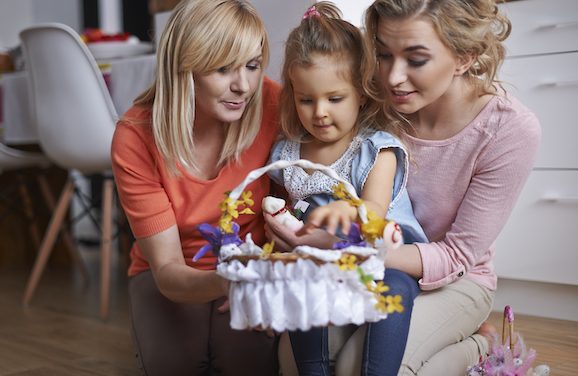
x,y
555,301
280,17
353,10
16,15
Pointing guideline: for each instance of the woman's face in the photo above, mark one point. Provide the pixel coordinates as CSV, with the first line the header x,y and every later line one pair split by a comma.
x,y
222,96
415,67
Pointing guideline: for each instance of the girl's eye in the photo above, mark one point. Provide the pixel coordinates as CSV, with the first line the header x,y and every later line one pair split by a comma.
x,y
417,63
335,99
305,101
223,70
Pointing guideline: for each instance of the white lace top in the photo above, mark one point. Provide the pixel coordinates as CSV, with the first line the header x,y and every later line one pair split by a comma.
x,y
300,185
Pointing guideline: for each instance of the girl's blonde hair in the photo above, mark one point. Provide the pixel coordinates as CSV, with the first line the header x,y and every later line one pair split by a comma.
x,y
466,27
200,37
323,32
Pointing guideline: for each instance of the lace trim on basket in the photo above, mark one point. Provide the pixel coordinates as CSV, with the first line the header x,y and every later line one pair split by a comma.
x,y
300,185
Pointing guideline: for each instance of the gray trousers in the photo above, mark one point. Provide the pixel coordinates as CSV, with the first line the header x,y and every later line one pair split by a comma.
x,y
192,339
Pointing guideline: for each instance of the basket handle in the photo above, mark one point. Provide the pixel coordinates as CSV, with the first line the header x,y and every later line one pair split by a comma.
x,y
305,164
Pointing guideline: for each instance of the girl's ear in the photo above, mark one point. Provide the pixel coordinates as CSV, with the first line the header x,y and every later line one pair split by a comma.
x,y
463,63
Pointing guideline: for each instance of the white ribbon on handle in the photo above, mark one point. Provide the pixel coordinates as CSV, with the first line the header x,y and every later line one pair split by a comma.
x,y
305,164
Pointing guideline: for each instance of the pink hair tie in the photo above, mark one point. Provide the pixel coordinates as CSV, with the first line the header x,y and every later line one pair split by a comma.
x,y
311,12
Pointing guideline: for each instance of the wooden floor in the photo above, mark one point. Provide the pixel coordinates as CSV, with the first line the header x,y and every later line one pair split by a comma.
x,y
61,334
555,341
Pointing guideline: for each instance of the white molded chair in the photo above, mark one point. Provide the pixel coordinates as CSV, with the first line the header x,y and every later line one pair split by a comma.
x,y
76,118
14,159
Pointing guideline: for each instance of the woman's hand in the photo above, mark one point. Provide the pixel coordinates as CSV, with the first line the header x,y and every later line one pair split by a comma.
x,y
175,280
285,239
225,284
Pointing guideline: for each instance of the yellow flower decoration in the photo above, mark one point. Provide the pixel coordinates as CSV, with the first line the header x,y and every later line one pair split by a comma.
x,y
226,224
378,287
347,262
268,249
246,198
340,193
229,210
373,228
389,303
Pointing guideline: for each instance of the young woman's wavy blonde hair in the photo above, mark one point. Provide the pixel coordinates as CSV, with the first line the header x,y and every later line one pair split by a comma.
x,y
325,33
466,27
200,37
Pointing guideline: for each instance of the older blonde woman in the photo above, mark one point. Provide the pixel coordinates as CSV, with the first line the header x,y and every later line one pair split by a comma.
x,y
208,120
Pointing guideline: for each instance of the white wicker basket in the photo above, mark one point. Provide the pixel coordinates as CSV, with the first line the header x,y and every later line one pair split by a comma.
x,y
306,287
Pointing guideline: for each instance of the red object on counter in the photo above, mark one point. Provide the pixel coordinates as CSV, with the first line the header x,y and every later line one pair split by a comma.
x,y
96,35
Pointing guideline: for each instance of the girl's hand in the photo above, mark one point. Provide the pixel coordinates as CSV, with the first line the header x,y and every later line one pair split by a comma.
x,y
286,240
330,216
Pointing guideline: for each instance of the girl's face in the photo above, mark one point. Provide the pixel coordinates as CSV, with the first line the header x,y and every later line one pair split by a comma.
x,y
222,96
327,102
415,67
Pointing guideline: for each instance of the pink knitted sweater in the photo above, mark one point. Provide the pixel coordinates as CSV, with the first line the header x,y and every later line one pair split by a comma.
x,y
464,188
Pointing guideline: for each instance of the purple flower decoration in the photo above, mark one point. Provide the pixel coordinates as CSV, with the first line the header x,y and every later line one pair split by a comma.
x,y
216,239
353,238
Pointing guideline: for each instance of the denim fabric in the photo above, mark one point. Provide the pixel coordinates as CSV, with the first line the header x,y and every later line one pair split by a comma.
x,y
311,351
384,343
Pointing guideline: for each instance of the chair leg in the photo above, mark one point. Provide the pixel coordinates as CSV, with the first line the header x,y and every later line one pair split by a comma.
x,y
48,241
29,211
64,232
105,247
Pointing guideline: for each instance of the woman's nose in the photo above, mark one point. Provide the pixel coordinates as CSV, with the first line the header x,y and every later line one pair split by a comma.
x,y
397,73
240,83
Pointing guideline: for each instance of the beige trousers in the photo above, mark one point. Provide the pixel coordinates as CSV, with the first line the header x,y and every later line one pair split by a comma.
x,y
440,337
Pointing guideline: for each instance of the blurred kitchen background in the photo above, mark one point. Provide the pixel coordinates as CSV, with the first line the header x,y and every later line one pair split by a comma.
x,y
537,258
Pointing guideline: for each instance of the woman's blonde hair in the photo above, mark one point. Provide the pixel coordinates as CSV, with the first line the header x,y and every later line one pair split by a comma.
x,y
200,37
323,32
466,27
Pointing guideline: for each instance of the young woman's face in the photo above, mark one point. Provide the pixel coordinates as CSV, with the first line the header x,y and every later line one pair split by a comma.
x,y
327,102
222,96
415,67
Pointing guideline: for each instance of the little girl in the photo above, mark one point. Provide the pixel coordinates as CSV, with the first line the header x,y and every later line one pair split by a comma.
x,y
330,113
